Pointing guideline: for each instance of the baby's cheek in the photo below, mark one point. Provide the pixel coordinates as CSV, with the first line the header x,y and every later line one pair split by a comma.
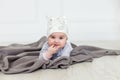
x,y
62,46
50,44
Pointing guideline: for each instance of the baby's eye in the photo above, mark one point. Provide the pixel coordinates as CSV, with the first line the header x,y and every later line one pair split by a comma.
x,y
52,37
61,38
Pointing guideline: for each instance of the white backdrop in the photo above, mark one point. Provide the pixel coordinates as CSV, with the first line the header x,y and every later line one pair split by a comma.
x,y
25,20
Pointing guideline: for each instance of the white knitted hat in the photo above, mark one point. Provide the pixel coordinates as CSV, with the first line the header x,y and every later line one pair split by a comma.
x,y
57,24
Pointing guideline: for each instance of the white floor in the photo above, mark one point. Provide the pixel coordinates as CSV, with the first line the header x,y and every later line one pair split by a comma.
x,y
104,68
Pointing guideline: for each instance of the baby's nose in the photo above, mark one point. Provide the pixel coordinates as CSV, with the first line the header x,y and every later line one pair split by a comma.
x,y
56,40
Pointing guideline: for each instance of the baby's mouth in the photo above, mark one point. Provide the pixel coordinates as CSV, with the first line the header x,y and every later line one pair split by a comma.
x,y
55,44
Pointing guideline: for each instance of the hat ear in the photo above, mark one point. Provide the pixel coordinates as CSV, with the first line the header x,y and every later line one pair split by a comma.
x,y
49,21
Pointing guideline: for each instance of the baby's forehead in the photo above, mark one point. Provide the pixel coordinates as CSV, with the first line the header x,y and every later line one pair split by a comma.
x,y
58,34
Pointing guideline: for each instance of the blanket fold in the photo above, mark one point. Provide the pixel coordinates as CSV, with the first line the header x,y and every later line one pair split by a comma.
x,y
20,58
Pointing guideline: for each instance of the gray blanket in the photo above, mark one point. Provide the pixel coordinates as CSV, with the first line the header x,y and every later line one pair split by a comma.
x,y
21,58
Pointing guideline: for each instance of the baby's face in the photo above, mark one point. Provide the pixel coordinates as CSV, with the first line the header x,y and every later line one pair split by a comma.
x,y
57,39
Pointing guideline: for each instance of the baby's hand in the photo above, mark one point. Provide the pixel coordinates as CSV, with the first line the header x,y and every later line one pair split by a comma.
x,y
53,49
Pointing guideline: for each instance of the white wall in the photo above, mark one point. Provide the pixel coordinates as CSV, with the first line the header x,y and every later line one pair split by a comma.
x,y
93,19
25,20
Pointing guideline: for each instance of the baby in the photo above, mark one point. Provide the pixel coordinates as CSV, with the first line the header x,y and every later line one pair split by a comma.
x,y
57,44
